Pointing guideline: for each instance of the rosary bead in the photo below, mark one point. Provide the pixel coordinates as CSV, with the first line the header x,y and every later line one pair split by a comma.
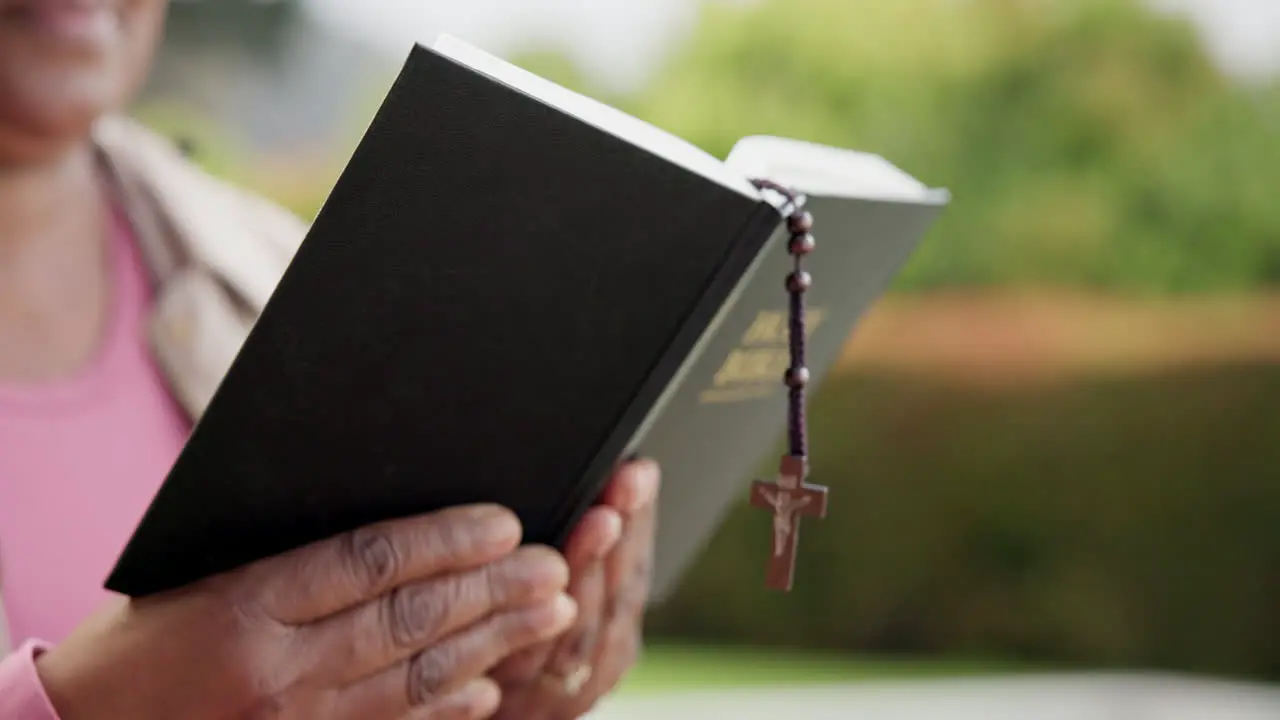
x,y
800,223
801,244
799,281
797,377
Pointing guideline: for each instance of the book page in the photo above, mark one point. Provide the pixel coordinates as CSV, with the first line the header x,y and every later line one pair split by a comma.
x,y
828,171
611,120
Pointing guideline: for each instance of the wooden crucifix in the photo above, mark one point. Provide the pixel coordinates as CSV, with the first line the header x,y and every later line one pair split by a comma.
x,y
789,498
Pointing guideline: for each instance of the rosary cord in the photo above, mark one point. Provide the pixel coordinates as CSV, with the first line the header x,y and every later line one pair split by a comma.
x,y
796,429
800,243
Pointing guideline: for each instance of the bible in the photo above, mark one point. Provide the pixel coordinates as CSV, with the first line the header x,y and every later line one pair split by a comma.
x,y
510,287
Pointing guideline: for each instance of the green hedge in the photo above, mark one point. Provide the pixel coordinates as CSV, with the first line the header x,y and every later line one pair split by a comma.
x,y
1113,522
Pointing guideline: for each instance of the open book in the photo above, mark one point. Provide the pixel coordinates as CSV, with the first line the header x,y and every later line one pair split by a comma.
x,y
818,169
510,287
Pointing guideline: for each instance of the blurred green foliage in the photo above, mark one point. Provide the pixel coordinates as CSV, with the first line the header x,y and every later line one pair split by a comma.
x,y
1100,521
250,26
1089,143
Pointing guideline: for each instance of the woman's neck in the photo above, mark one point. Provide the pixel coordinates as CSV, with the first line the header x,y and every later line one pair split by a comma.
x,y
39,201
54,285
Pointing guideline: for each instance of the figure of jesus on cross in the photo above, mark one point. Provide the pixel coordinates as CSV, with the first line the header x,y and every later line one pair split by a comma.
x,y
789,498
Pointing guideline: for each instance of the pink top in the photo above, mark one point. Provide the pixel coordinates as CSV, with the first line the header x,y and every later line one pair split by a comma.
x,y
80,459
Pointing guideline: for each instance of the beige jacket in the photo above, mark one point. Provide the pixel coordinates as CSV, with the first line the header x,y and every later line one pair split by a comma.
x,y
215,253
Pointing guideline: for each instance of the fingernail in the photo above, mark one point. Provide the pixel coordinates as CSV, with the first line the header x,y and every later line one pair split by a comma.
x,y
649,485
549,619
542,569
644,488
481,697
612,532
499,526
564,610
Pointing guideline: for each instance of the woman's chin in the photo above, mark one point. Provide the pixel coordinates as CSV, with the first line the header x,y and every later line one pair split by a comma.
x,y
35,131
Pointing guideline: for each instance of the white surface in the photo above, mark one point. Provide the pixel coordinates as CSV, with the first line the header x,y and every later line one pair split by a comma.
x,y
823,170
1037,698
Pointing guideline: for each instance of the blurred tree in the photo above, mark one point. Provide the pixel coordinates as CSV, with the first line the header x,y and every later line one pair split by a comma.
x,y
1087,142
253,26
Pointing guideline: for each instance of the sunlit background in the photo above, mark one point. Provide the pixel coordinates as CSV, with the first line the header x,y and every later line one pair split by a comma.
x,y
1057,441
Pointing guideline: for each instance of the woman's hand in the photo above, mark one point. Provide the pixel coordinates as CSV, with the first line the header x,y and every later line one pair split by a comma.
x,y
402,619
610,558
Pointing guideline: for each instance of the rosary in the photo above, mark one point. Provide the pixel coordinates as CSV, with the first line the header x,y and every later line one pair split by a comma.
x,y
789,497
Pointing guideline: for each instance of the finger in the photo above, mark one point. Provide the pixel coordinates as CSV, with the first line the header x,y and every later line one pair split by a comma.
x,y
625,589
629,568
595,537
478,699
417,683
578,645
621,641
335,574
377,634
634,487
586,587
618,649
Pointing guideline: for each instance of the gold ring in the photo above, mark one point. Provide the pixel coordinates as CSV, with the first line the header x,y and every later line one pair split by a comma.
x,y
570,683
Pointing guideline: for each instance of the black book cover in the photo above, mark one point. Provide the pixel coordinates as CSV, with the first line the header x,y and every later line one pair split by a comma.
x,y
486,309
